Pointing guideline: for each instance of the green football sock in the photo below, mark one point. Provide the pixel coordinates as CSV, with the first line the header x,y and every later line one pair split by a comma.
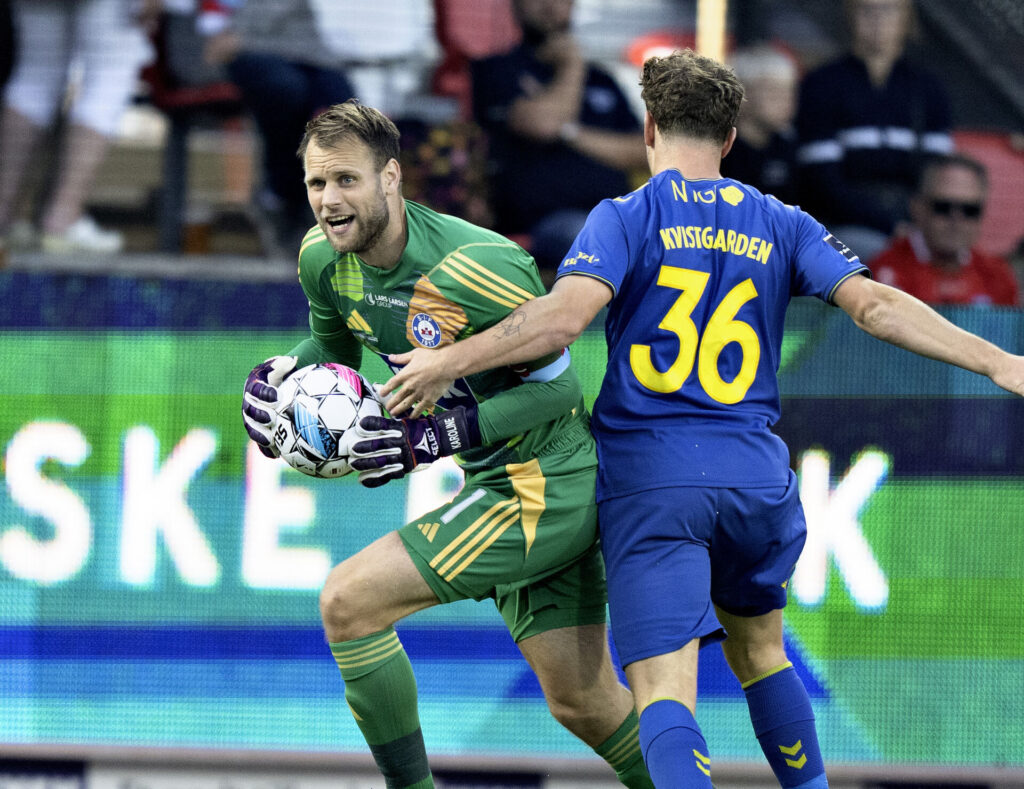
x,y
381,693
622,752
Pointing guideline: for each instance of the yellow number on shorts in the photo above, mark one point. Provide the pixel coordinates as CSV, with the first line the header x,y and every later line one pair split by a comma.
x,y
722,329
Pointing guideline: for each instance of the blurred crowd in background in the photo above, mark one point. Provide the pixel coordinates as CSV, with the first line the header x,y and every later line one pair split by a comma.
x,y
141,126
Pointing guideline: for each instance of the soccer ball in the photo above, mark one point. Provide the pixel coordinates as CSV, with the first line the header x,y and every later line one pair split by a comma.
x,y
316,405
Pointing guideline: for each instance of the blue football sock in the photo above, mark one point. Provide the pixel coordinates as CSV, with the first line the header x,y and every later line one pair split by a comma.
x,y
780,710
673,747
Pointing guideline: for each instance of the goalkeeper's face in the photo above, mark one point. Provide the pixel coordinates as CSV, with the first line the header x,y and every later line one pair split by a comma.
x,y
350,196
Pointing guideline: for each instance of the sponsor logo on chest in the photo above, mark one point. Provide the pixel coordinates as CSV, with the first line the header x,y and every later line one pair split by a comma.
x,y
384,300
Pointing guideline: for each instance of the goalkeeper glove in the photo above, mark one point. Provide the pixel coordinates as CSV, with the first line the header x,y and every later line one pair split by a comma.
x,y
259,400
386,449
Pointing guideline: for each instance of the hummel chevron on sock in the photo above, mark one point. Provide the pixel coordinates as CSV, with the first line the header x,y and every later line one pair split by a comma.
x,y
780,710
673,747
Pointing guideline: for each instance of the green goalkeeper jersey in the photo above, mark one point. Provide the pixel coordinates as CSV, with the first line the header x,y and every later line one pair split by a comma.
x,y
454,279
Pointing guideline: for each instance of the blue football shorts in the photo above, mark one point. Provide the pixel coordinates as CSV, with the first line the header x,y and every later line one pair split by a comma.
x,y
672,554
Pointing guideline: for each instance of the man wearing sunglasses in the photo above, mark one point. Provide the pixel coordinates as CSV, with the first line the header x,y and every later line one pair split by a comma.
x,y
937,260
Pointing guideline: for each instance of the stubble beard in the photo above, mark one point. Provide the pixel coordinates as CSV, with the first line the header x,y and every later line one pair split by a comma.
x,y
371,230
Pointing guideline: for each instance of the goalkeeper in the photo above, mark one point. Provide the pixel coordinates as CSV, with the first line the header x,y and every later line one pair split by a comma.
x,y
390,275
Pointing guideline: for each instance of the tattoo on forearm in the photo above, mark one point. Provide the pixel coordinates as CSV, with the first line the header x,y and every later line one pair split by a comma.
x,y
510,325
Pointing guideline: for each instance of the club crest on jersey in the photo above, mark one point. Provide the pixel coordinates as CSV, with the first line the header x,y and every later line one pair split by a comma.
x,y
425,330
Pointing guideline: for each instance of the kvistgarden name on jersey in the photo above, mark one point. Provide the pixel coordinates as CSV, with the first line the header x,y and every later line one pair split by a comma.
x,y
697,237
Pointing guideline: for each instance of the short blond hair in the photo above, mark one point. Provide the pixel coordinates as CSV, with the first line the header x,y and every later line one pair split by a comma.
x,y
352,120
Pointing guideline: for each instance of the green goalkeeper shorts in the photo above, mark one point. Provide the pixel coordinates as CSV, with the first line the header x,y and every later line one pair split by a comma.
x,y
525,535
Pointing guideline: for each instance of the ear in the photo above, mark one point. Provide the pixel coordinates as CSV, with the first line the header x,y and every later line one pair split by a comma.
x,y
391,177
649,128
729,140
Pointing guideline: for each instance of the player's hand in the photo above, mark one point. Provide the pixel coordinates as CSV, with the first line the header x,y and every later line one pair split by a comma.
x,y
419,384
259,400
385,449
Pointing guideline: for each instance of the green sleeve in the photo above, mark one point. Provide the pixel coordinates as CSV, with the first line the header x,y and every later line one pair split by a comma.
x,y
311,350
516,410
330,339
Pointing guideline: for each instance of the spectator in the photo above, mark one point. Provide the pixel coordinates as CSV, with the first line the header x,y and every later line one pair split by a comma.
x,y
273,51
764,154
562,134
864,123
108,48
937,260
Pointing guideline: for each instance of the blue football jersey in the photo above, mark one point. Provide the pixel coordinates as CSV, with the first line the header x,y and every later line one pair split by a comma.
x,y
702,273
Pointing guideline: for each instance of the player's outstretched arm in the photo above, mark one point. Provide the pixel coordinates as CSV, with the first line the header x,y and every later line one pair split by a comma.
x,y
532,330
899,318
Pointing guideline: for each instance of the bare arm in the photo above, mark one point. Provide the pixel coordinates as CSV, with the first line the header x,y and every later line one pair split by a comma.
x,y
902,320
551,112
621,150
535,328
541,113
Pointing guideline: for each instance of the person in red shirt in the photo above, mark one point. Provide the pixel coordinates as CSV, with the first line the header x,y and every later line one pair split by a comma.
x,y
937,260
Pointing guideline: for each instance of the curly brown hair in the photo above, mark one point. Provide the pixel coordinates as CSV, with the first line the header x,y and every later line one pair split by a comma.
x,y
691,95
349,120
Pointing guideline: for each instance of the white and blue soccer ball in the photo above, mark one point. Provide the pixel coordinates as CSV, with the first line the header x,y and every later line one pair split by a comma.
x,y
316,406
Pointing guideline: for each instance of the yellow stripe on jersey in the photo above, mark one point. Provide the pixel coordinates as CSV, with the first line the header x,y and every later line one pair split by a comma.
x,y
450,317
528,482
347,279
471,536
482,270
312,237
370,653
467,283
357,322
477,278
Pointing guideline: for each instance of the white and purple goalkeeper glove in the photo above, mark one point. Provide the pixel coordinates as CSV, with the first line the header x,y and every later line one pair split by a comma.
x,y
385,449
259,400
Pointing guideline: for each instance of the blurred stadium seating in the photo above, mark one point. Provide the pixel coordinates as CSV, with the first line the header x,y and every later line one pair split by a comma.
x,y
180,178
207,99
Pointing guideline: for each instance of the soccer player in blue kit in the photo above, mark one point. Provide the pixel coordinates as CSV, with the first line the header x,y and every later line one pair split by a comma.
x,y
701,524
